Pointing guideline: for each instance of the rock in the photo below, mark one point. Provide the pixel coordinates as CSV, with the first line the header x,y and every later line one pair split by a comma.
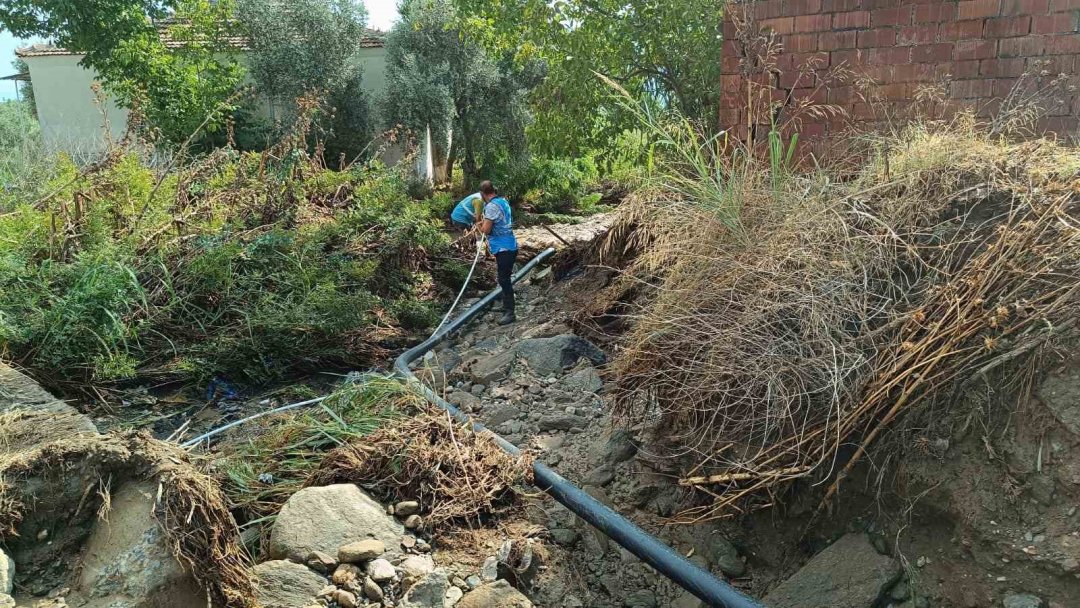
x,y
498,594
502,414
726,557
372,590
488,369
127,562
546,356
474,581
417,567
564,536
1022,600
284,584
477,390
464,400
452,597
6,601
414,522
847,574
640,599
1061,395
361,551
428,593
687,600
585,380
560,422
620,447
320,562
406,508
490,570
323,519
380,570
7,573
600,476
433,376
345,599
346,574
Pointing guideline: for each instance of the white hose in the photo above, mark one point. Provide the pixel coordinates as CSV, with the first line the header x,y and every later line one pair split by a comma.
x,y
464,286
197,440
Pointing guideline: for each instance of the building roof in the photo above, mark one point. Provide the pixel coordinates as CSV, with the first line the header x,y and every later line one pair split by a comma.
x,y
371,39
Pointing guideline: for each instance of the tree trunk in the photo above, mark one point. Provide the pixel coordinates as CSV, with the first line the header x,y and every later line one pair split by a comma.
x,y
447,169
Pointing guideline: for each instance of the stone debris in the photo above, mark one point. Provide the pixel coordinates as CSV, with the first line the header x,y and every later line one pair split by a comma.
x,y
326,518
361,551
850,573
284,584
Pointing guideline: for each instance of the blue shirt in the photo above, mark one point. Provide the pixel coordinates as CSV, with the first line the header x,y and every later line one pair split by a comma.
x,y
502,237
465,211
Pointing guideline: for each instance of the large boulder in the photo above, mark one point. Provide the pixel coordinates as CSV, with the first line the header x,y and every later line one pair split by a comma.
x,y
548,356
7,573
324,519
850,573
127,563
486,369
495,595
283,584
428,593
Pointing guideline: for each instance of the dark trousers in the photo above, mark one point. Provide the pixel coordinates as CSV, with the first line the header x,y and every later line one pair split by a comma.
x,y
505,262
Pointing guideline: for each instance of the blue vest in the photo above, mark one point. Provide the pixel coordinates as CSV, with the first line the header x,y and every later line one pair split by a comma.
x,y
502,237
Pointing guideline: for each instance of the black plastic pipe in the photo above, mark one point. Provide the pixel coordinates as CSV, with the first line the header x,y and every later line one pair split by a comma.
x,y
646,547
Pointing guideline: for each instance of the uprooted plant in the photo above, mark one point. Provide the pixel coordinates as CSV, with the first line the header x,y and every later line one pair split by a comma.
x,y
787,350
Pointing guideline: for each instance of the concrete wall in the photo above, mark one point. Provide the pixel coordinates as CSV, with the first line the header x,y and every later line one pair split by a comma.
x,y
71,117
977,48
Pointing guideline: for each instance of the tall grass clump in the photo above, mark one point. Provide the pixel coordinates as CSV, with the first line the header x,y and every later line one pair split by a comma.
x,y
251,266
781,319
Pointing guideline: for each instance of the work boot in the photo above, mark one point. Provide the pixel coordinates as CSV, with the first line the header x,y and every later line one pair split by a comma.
x,y
508,310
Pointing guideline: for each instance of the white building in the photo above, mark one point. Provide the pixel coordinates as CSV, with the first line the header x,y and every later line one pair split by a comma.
x,y
78,117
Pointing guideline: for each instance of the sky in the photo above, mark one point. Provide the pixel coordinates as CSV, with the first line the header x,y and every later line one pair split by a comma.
x,y
381,16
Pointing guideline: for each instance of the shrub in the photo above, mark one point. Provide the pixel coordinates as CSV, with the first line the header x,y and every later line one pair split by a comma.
x,y
550,185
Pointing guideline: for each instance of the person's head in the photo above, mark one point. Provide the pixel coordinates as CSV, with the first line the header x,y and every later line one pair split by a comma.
x,y
487,190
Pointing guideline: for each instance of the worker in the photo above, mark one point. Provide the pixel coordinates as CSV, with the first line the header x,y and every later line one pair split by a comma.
x,y
469,211
496,225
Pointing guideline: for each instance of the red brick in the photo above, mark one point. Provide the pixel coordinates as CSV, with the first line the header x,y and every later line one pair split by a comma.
x,y
935,13
964,69
975,49
876,38
817,95
729,64
849,58
961,30
977,9
800,43
835,6
1002,86
842,95
1007,27
780,25
890,55
851,20
768,9
893,91
900,15
1058,23
987,108
1064,5
1064,44
813,23
917,34
1001,68
802,7
831,41
872,4
1024,7
1028,46
1052,64
932,53
1062,125
969,89
810,61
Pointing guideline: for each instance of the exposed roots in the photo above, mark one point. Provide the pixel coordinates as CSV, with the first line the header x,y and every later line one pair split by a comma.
x,y
189,507
851,304
458,476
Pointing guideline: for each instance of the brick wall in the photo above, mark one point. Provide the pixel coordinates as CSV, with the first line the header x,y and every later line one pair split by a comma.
x,y
975,49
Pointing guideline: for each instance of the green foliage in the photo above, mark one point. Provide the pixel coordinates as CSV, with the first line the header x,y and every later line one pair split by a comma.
x,y
663,52
254,269
438,76
26,88
551,185
302,46
20,146
177,88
